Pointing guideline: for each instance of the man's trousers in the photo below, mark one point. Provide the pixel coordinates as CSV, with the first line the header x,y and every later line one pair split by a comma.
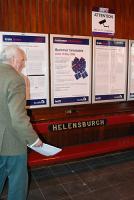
x,y
15,169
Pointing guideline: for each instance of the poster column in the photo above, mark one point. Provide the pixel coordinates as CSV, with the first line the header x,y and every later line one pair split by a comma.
x,y
109,70
36,66
130,95
70,70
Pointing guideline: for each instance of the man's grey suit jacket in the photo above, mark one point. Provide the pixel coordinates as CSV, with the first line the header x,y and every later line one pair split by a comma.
x,y
15,129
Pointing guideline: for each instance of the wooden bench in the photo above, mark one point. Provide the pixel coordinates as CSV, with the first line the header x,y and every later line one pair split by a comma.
x,y
85,150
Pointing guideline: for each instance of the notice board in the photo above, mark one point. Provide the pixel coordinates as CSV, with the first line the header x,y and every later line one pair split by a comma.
x,y
36,73
70,58
109,70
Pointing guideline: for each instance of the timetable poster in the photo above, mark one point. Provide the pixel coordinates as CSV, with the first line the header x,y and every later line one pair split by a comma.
x,y
70,70
130,95
109,70
36,66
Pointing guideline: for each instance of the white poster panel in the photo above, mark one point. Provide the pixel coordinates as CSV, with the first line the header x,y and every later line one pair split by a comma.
x,y
130,94
109,70
70,70
36,72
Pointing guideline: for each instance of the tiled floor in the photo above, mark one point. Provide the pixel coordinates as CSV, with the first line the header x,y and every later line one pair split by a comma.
x,y
107,177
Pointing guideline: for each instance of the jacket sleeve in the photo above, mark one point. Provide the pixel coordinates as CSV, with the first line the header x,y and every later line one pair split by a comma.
x,y
19,119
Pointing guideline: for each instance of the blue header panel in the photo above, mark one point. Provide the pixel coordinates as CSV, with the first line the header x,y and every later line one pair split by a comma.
x,y
64,40
23,38
110,43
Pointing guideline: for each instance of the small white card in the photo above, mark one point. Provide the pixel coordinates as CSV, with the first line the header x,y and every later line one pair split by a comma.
x,y
46,149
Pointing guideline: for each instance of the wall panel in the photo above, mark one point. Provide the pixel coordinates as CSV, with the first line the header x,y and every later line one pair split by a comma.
x,y
33,16
63,16
54,16
12,10
130,21
20,23
27,17
4,19
40,17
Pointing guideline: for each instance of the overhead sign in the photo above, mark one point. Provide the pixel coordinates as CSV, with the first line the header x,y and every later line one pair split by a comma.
x,y
103,21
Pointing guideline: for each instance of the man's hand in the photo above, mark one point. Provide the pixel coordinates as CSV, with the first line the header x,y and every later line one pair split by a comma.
x,y
39,143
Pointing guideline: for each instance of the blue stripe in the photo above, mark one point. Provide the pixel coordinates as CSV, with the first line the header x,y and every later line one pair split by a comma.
x,y
63,40
71,99
23,38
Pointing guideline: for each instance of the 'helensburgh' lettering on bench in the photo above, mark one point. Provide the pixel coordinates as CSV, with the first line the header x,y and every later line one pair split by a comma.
x,y
76,125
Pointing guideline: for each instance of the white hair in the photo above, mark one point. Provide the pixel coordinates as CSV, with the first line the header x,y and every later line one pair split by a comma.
x,y
9,52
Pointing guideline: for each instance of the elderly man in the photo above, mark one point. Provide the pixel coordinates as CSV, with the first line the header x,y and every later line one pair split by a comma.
x,y
16,132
